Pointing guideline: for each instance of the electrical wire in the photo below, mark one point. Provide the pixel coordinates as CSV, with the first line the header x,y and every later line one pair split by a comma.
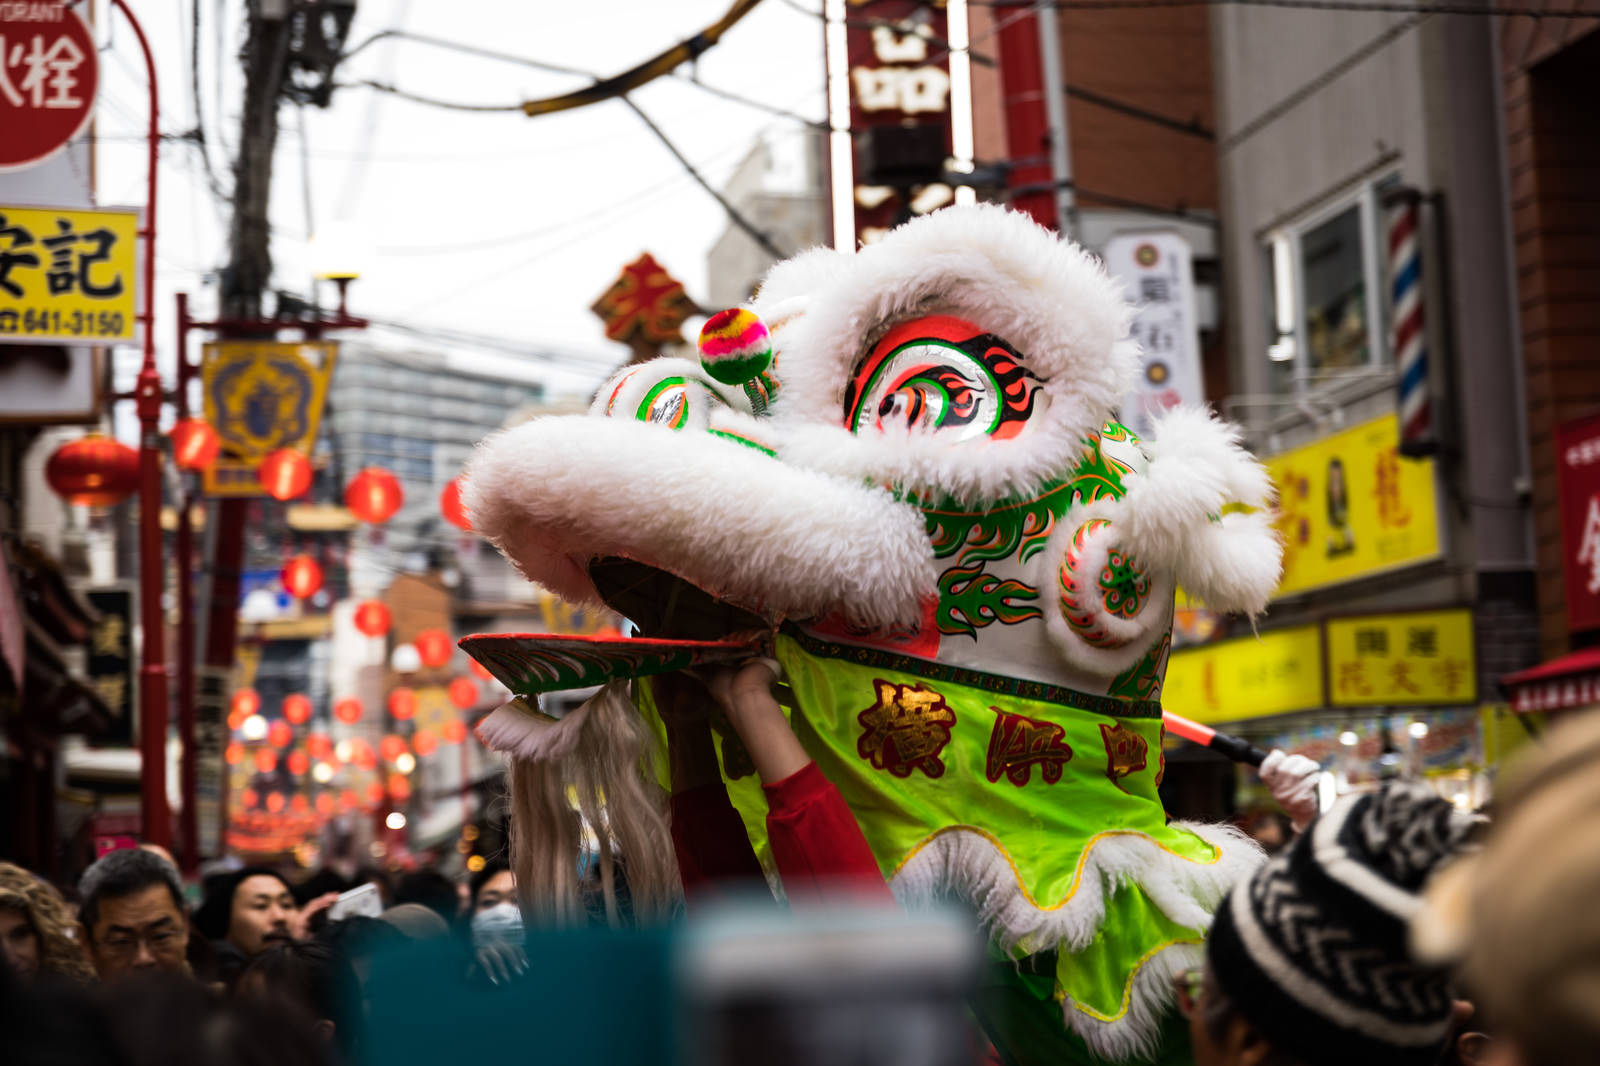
x,y
1193,127
194,92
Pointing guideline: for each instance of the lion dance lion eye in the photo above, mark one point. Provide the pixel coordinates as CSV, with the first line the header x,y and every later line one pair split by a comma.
x,y
944,375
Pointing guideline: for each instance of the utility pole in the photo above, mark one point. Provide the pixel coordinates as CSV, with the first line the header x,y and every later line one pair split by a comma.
x,y
266,64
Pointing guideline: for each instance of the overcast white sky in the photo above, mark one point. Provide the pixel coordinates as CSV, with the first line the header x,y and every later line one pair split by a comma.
x,y
491,223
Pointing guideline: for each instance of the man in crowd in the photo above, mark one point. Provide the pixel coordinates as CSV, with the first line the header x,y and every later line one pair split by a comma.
x,y
131,913
1308,963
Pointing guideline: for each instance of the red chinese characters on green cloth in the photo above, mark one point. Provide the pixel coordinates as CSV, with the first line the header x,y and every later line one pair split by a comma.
x,y
906,729
1019,743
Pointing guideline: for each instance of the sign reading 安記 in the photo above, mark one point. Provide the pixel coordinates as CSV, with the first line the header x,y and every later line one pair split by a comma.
x,y
67,276
1350,507
1421,658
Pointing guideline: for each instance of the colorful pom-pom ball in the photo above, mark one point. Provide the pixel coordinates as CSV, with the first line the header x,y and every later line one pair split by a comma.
x,y
735,346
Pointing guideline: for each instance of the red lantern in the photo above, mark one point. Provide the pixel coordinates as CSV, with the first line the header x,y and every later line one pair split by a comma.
x,y
374,495
300,803
245,703
424,742
233,754
266,760
248,798
298,762
454,731
374,794
403,704
274,802
349,800
399,788
434,647
325,803
348,710
372,618
362,754
464,692
392,747
279,734
194,444
297,708
319,746
479,670
285,474
302,576
95,471
451,507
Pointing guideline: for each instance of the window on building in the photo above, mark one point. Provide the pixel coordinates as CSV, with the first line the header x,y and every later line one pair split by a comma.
x,y
1324,294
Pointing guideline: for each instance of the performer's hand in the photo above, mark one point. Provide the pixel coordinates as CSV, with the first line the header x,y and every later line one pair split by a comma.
x,y
1292,779
745,694
681,699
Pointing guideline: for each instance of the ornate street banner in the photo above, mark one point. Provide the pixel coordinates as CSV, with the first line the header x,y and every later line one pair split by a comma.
x,y
1350,507
262,396
1578,488
109,666
1415,658
1157,270
67,276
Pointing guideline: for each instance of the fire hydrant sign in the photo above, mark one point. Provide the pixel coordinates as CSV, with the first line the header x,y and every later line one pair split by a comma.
x,y
67,276
49,72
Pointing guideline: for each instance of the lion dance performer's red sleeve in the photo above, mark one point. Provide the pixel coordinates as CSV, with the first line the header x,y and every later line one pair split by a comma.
x,y
816,844
712,846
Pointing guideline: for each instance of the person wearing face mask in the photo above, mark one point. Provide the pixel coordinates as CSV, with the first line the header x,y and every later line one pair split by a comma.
x,y
245,913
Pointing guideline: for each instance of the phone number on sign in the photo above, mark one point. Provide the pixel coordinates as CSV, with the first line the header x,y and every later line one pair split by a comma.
x,y
71,323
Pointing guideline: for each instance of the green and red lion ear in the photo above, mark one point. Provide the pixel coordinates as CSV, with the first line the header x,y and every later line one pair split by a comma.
x,y
736,349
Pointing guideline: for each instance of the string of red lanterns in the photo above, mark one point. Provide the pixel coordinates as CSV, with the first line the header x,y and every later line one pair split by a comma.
x,y
285,474
374,495
297,708
372,618
433,645
94,471
302,577
195,444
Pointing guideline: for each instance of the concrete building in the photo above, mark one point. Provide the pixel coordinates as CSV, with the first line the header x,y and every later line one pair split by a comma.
x,y
1318,115
778,187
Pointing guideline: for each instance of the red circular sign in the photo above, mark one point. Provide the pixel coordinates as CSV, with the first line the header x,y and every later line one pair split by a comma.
x,y
49,73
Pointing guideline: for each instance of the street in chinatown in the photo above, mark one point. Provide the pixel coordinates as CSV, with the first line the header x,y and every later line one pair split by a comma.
x,y
928,532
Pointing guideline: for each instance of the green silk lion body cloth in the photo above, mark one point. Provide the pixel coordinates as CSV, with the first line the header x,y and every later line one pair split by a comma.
x,y
903,464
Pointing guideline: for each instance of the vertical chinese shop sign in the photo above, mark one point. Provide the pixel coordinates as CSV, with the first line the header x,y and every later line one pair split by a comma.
x,y
1578,488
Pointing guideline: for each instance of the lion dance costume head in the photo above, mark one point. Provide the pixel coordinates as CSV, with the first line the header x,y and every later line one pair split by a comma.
x,y
903,465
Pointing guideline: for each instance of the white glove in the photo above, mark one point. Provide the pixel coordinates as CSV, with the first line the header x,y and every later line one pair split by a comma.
x,y
1292,780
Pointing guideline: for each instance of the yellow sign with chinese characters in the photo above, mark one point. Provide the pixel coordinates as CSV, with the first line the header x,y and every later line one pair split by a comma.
x,y
262,396
1250,677
1350,507
1423,657
67,276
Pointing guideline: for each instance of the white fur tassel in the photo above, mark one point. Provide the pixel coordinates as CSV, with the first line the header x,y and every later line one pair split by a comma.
x,y
526,733
1169,517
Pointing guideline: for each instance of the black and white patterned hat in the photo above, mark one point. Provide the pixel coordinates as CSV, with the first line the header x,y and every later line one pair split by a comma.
x,y
1312,950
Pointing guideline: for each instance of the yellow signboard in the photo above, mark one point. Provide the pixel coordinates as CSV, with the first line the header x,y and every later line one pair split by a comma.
x,y
1350,506
1250,677
1422,657
262,396
67,276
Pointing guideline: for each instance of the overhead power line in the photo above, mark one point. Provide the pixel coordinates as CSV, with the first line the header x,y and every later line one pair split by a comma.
x,y
736,216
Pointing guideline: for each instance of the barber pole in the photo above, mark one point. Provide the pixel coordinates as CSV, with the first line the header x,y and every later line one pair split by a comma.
x,y
1417,437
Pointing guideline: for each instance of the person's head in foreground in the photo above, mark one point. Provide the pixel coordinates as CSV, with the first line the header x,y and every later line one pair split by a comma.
x,y
131,912
312,979
251,910
1307,963
35,937
1524,909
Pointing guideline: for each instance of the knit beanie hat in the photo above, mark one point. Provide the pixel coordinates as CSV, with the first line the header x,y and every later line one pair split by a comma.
x,y
1312,949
